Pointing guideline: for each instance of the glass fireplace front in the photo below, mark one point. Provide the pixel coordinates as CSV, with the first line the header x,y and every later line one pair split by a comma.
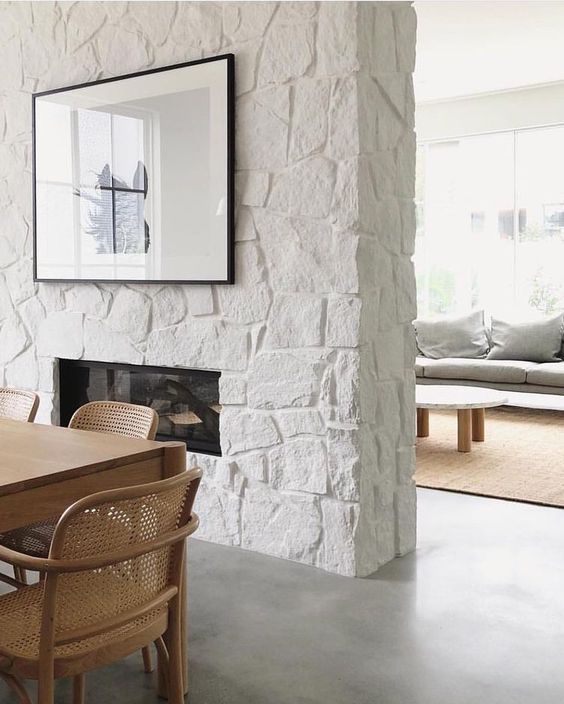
x,y
187,400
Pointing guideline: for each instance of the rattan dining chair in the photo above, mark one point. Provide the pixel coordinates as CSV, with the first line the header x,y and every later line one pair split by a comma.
x,y
117,418
17,404
112,417
111,585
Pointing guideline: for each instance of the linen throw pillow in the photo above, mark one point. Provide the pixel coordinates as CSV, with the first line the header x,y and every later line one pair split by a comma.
x,y
532,340
453,337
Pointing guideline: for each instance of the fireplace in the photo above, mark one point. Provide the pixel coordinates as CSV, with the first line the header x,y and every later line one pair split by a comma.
x,y
187,400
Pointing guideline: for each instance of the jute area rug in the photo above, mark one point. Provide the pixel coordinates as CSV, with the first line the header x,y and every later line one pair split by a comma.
x,y
522,458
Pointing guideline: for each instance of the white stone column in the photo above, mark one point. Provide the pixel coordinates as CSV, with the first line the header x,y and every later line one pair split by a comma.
x,y
372,388
314,340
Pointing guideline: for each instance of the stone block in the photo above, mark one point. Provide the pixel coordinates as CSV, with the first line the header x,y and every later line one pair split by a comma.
x,y
345,207
35,56
283,380
87,299
295,321
284,526
243,430
405,508
262,129
406,300
296,11
405,25
48,411
406,165
169,307
246,65
245,225
245,303
299,465
222,510
6,305
346,269
343,322
337,38
309,119
337,553
130,313
255,189
242,20
298,253
48,371
382,41
22,372
344,137
305,189
345,464
253,466
300,422
121,51
84,19
32,313
197,26
200,300
103,343
204,344
155,24
287,53
346,375
60,335
19,278
408,226
405,459
232,390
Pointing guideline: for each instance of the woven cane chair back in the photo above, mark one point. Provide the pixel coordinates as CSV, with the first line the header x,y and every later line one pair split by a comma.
x,y
117,418
131,523
16,404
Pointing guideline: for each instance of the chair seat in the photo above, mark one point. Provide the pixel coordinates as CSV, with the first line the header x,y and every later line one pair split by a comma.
x,y
34,539
20,627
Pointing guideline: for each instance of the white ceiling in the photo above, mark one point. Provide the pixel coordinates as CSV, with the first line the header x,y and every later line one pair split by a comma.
x,y
465,47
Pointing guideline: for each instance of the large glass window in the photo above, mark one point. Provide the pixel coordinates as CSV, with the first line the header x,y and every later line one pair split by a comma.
x,y
490,228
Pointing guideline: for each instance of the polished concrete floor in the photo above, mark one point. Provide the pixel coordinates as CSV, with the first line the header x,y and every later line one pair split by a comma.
x,y
475,615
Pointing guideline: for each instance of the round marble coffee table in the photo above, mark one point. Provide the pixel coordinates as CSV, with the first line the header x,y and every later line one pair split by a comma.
x,y
469,401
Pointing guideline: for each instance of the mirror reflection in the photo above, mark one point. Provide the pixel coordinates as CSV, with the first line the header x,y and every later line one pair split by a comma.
x,y
131,178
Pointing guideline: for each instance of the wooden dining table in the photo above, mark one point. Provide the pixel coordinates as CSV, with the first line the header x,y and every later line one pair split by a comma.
x,y
45,468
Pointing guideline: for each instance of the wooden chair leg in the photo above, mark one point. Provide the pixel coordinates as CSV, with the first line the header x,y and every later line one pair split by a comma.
x,y
46,686
147,660
162,652
162,655
17,687
175,665
78,689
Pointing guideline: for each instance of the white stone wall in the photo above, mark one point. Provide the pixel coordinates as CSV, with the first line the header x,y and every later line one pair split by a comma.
x,y
314,338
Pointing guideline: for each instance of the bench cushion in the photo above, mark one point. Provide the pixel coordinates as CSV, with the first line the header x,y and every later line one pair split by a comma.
x,y
495,370
548,374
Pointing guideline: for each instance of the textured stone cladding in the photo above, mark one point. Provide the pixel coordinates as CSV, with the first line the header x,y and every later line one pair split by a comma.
x,y
314,340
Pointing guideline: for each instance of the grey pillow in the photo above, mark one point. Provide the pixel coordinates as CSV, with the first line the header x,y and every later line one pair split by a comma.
x,y
453,337
533,340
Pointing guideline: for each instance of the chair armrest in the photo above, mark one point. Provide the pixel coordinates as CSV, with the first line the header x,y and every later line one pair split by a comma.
x,y
65,565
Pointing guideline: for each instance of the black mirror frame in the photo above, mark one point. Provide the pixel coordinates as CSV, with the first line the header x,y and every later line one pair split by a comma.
x,y
230,279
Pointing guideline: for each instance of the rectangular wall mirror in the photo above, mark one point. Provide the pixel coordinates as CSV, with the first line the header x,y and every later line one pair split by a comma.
x,y
133,177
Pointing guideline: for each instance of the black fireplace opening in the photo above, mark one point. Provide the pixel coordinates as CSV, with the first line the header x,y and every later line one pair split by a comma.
x,y
187,400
